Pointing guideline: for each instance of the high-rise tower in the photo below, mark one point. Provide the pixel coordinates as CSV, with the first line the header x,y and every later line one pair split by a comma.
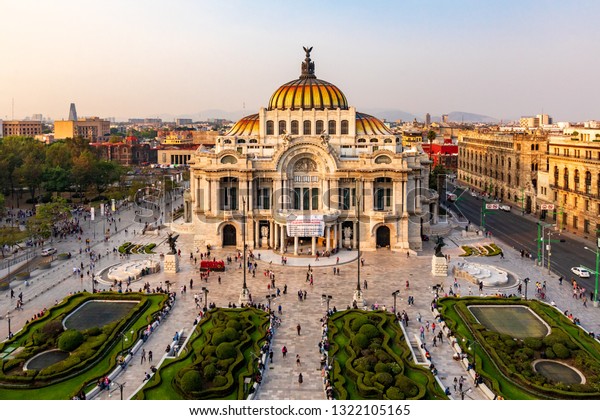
x,y
72,113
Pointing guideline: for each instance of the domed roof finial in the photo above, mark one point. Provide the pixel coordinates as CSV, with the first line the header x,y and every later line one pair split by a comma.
x,y
308,66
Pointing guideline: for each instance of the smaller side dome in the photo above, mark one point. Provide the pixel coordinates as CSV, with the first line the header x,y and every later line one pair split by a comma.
x,y
367,125
247,126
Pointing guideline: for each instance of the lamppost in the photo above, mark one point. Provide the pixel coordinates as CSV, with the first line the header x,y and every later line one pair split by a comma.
x,y
358,294
124,338
326,298
595,302
8,319
395,295
245,294
470,346
526,281
205,290
121,386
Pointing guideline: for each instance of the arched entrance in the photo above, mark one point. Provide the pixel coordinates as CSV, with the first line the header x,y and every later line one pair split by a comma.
x,y
229,235
383,237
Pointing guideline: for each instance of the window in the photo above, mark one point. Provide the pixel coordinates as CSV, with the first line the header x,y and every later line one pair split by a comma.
x,y
296,199
306,130
588,182
270,128
555,175
586,226
576,179
319,127
331,127
282,127
566,178
575,220
315,198
305,198
264,198
229,198
587,205
344,129
345,199
294,127
379,199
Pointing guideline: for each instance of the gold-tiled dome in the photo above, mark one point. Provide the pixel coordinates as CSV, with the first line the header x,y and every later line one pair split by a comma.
x,y
308,92
368,125
247,126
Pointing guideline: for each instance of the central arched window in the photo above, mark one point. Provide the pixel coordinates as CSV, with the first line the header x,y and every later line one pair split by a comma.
x,y
282,127
270,128
319,127
306,129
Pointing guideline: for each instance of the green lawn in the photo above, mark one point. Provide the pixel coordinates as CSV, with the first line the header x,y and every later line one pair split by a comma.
x,y
517,321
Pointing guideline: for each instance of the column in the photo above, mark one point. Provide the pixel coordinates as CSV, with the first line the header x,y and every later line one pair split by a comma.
x,y
354,227
418,195
324,193
340,236
327,238
283,195
250,195
276,241
335,234
214,203
282,239
271,234
314,246
369,194
295,245
257,243
394,197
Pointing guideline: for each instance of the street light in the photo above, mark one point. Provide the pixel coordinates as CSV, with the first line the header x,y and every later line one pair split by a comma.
x,y
121,386
245,294
205,290
358,294
395,295
8,319
124,338
526,281
326,298
470,346
595,303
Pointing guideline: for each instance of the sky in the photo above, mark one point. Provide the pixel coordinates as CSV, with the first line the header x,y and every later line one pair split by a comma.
x,y
148,58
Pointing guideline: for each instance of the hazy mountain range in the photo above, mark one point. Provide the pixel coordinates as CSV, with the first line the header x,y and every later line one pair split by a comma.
x,y
387,114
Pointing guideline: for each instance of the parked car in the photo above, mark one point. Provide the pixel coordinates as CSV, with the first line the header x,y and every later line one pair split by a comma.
x,y
48,251
581,272
504,207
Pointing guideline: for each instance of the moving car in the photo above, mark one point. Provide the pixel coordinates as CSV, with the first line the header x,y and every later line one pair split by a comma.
x,y
48,251
581,272
504,207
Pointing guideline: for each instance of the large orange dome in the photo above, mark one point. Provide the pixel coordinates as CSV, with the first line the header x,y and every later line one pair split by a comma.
x,y
308,92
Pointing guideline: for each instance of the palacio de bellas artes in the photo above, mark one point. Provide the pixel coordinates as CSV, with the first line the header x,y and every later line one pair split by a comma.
x,y
309,174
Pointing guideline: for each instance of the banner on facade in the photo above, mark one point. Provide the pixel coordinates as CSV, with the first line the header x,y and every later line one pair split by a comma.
x,y
305,225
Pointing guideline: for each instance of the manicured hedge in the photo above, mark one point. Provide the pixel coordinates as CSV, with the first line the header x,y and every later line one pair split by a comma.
x,y
372,360
216,360
506,361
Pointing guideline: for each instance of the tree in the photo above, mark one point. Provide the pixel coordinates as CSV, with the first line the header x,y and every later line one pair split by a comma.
x,y
106,173
83,170
56,179
436,177
30,172
47,215
2,205
11,236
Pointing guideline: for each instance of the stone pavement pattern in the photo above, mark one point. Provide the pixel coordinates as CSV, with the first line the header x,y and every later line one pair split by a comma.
x,y
384,272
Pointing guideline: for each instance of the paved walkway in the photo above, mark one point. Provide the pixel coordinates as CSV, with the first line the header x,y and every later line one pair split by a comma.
x,y
384,271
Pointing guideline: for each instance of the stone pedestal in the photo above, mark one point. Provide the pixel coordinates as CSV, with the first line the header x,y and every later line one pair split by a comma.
x,y
171,263
359,298
245,296
347,243
439,266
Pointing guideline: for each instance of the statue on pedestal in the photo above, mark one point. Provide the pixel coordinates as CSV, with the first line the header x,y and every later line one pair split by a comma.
x,y
172,239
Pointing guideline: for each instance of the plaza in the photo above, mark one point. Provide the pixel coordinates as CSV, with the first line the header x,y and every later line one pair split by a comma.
x,y
383,273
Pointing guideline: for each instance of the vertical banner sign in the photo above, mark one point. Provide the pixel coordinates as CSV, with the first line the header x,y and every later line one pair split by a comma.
x,y
113,205
102,209
93,213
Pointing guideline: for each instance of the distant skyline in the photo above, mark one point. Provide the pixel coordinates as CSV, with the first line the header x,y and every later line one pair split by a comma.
x,y
136,59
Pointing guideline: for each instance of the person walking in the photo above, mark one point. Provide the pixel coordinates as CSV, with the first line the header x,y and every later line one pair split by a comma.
x,y
300,379
143,358
298,328
271,356
284,351
150,356
298,360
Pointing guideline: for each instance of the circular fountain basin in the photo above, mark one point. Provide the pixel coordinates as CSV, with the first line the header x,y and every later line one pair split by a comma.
x,y
45,359
557,371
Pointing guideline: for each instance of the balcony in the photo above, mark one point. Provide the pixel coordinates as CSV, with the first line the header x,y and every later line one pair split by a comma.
x,y
574,191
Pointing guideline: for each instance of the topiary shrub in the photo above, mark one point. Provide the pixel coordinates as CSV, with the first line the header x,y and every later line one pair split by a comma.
x,y
406,386
232,323
191,381
225,363
394,393
225,351
381,367
93,332
231,334
210,372
360,341
70,340
561,351
550,353
533,343
219,381
358,322
384,379
370,331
